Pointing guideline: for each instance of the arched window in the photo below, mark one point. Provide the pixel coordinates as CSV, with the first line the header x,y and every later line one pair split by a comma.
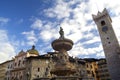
x,y
102,23
19,62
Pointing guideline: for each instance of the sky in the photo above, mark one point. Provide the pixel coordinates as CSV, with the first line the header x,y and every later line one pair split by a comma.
x,y
24,23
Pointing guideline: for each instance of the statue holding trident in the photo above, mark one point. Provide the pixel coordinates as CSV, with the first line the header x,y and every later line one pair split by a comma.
x,y
61,33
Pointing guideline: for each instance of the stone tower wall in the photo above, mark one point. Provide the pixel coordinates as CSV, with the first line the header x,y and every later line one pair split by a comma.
x,y
110,43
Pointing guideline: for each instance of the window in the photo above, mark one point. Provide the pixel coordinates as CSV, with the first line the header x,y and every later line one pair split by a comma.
x,y
19,63
47,69
8,66
88,71
20,77
37,76
93,74
11,66
108,42
15,63
102,23
107,37
23,62
87,65
91,66
60,57
38,69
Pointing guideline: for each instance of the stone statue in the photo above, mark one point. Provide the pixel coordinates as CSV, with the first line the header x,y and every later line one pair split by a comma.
x,y
61,33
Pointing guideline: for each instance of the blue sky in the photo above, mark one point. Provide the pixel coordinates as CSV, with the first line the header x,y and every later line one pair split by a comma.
x,y
24,23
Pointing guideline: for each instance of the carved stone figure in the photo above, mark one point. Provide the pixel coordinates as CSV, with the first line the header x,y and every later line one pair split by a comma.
x,y
61,33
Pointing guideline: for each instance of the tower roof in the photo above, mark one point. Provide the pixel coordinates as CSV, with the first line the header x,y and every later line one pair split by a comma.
x,y
33,51
101,15
21,52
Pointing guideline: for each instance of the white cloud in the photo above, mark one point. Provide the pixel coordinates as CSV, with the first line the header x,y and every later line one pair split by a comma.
x,y
75,27
116,27
75,16
37,24
48,33
31,38
6,50
77,24
92,40
100,55
61,10
3,20
80,50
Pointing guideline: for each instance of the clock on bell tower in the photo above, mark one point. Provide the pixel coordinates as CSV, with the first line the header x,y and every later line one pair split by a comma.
x,y
110,43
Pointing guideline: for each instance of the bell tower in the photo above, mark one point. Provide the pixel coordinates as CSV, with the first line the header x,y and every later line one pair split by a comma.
x,y
109,42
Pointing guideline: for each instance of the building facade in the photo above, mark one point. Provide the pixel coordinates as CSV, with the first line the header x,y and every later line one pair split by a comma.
x,y
16,69
39,67
3,68
92,67
103,73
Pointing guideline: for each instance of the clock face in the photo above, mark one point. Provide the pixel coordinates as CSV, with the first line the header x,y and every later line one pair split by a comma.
x,y
104,28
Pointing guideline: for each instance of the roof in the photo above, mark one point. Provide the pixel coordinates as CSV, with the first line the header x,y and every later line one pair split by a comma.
x,y
79,61
21,53
90,59
33,51
6,62
38,57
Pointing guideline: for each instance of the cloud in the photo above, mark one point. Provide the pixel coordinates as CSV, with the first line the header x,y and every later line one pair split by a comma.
x,y
92,40
75,25
115,23
80,50
45,30
75,17
3,20
76,20
37,24
48,33
20,21
30,37
60,7
6,50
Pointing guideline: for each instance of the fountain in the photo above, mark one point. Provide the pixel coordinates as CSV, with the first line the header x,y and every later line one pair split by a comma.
x,y
62,66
